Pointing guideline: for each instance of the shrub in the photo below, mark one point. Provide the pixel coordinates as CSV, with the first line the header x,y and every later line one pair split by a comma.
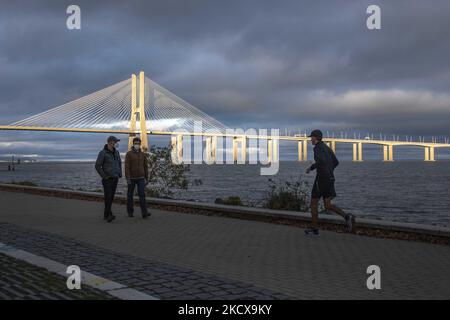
x,y
231,201
290,195
24,183
165,176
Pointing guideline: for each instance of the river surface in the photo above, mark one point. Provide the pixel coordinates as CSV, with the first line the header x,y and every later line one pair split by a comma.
x,y
408,191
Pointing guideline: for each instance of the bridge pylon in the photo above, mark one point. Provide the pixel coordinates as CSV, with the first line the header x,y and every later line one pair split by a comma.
x,y
138,111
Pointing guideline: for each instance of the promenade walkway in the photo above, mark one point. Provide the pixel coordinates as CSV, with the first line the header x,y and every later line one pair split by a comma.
x,y
174,255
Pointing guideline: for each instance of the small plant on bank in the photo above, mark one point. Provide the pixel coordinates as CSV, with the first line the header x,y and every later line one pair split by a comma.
x,y
289,195
165,177
24,183
230,201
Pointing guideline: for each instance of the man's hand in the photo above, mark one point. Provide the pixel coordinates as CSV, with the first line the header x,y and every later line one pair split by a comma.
x,y
146,181
308,170
128,181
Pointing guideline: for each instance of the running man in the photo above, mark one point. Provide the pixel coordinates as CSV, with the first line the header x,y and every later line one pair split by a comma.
x,y
325,163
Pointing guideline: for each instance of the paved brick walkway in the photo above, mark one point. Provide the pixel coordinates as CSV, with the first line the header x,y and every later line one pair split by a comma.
x,y
155,278
20,280
272,260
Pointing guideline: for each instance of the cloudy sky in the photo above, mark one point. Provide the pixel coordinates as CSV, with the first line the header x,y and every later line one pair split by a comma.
x,y
248,63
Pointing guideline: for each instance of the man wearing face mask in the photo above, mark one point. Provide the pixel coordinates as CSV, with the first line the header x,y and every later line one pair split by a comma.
x,y
109,167
136,172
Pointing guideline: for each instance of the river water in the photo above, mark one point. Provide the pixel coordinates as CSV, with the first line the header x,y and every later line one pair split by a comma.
x,y
408,191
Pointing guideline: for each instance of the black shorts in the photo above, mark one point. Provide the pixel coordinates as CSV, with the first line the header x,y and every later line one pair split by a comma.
x,y
323,189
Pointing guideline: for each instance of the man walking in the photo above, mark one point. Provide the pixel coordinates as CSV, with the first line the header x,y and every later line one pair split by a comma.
x,y
109,167
136,172
325,163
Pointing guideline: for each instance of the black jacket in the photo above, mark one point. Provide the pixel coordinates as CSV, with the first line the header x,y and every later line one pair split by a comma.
x,y
325,162
109,164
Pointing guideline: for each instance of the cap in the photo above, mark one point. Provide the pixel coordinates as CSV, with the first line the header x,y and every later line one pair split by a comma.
x,y
112,139
316,133
136,140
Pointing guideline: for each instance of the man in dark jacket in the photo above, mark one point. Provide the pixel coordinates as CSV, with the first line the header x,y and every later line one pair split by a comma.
x,y
109,167
325,163
136,172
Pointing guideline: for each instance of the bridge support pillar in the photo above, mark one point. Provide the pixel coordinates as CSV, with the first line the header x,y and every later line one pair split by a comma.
x,y
388,153
180,148
133,111
360,152
210,149
333,146
305,150
357,151
143,123
176,152
300,150
207,154
244,149
173,149
272,150
214,148
391,153
243,142
429,154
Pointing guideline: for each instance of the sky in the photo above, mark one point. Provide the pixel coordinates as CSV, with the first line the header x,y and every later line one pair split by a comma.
x,y
296,65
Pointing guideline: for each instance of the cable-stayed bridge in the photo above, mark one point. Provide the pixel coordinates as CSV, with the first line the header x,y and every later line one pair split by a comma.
x,y
139,106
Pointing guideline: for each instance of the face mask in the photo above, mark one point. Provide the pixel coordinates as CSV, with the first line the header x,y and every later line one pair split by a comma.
x,y
116,145
137,147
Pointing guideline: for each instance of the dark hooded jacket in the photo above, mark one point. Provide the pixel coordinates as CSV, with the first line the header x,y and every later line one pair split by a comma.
x,y
109,164
325,162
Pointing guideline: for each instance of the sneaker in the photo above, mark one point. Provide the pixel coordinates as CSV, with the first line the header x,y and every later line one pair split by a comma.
x,y
110,218
350,221
146,215
312,232
107,216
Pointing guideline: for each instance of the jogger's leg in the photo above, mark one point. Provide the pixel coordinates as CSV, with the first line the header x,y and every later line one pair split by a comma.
x,y
332,207
315,212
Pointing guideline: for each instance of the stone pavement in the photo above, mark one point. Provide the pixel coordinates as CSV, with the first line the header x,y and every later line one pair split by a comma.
x,y
176,255
23,281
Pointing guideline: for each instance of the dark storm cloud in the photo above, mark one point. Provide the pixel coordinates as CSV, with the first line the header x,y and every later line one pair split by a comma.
x,y
252,63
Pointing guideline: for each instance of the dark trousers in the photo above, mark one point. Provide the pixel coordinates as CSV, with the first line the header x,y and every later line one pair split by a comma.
x,y
140,183
109,189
